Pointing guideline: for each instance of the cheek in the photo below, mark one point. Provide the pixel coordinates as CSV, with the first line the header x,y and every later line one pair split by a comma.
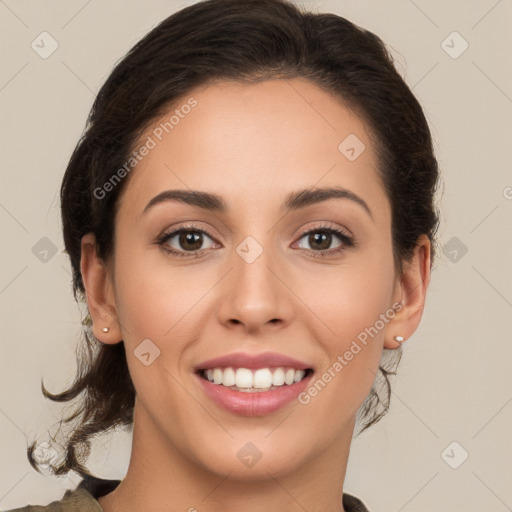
x,y
354,307
349,299
159,302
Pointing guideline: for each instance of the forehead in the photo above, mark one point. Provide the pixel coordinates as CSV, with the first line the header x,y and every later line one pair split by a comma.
x,y
249,141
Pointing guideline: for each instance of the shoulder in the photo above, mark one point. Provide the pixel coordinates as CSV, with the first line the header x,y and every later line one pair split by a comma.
x,y
72,501
353,504
82,499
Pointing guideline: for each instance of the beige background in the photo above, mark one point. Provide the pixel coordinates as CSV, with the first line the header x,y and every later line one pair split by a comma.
x,y
454,382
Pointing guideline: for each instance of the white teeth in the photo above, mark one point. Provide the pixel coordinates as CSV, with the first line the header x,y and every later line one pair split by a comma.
x,y
217,376
299,375
243,378
262,379
247,380
278,377
229,378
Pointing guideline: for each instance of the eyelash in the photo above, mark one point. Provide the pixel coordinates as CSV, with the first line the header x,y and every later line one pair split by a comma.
x,y
347,241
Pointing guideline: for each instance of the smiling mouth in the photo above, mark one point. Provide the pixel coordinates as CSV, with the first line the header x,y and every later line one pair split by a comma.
x,y
256,380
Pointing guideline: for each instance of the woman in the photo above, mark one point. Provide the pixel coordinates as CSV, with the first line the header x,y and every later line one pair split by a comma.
x,y
250,218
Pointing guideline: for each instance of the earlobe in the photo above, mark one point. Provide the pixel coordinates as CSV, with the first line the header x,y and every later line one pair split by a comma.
x,y
413,284
100,297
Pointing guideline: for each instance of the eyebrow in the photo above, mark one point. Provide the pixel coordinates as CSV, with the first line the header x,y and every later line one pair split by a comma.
x,y
295,201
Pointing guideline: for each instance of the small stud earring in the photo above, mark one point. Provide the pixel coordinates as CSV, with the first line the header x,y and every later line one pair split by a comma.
x,y
105,329
400,339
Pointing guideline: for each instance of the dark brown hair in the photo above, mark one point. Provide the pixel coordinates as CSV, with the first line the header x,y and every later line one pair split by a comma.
x,y
245,41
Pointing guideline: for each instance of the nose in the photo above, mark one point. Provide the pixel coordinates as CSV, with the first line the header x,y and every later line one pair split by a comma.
x,y
254,294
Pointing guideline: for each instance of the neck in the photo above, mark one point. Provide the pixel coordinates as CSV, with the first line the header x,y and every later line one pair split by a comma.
x,y
159,476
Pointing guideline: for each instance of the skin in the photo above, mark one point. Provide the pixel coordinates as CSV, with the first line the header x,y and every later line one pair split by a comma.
x,y
253,145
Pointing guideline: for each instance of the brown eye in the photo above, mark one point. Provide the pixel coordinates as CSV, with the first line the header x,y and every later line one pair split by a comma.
x,y
184,240
320,240
190,240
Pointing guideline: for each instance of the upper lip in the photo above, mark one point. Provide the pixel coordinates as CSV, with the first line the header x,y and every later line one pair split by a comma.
x,y
252,361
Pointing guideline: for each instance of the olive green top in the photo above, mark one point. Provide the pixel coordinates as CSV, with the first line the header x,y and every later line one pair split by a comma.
x,y
84,498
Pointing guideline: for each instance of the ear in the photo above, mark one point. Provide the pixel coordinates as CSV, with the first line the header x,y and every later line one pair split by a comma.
x,y
99,289
412,287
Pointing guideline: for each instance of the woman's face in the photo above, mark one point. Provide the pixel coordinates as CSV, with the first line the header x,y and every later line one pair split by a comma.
x,y
261,282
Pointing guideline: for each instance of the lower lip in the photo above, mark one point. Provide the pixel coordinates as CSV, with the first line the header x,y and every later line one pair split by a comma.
x,y
257,403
